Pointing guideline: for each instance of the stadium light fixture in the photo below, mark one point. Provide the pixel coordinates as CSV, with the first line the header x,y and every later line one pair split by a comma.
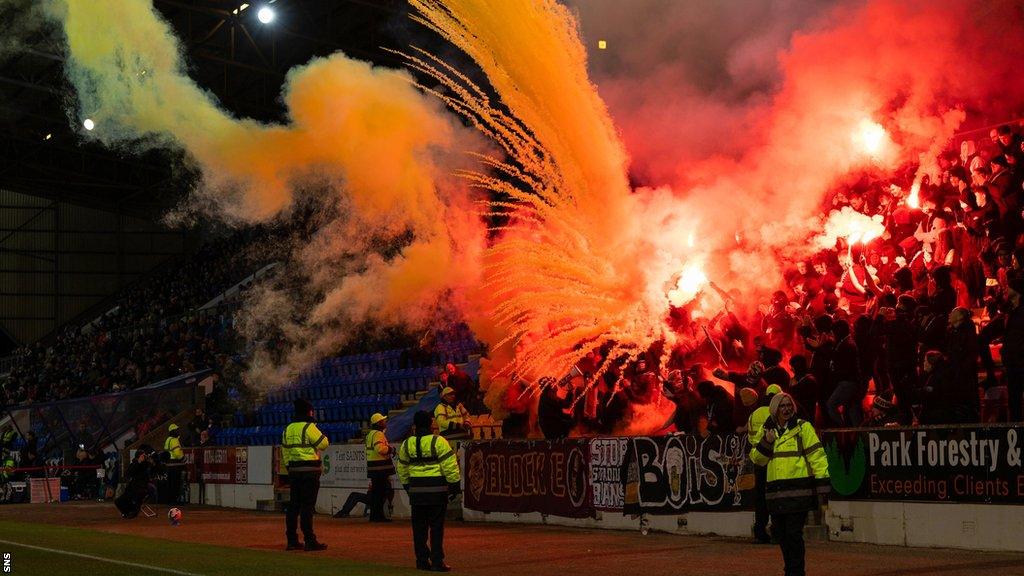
x,y
48,136
240,8
265,15
89,124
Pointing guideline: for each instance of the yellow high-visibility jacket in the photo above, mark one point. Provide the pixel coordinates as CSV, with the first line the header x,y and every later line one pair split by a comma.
x,y
797,466
301,445
445,415
378,453
427,467
755,422
173,447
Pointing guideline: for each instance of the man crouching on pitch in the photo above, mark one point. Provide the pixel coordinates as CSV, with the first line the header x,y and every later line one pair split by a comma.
x,y
429,471
139,485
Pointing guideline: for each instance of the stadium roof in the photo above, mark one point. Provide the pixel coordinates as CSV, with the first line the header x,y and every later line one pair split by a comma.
x,y
241,61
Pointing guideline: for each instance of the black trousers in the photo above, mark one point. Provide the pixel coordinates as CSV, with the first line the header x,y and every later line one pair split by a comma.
x,y
354,499
174,474
789,529
760,503
304,488
428,520
131,500
904,380
380,485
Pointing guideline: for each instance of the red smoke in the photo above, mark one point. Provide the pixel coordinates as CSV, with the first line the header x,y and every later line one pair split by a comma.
x,y
788,78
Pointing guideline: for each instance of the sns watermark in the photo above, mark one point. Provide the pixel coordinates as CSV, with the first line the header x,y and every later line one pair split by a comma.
x,y
8,562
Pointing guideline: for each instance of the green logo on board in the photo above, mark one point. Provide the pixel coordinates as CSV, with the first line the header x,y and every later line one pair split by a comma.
x,y
846,476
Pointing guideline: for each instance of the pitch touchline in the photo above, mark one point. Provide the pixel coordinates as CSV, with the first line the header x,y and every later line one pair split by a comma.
x,y
100,558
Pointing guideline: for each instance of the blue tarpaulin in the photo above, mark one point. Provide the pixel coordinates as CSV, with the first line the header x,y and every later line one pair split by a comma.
x,y
400,426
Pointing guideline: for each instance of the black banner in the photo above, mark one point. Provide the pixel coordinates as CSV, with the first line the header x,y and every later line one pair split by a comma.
x,y
962,464
551,477
684,472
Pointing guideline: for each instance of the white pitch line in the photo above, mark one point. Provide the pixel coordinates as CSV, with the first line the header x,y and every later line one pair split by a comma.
x,y
100,558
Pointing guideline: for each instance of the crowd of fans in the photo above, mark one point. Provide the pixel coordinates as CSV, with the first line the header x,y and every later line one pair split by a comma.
x,y
862,334
874,333
153,332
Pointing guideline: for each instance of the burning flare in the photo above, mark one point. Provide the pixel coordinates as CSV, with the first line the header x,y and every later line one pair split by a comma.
x,y
691,281
851,226
871,137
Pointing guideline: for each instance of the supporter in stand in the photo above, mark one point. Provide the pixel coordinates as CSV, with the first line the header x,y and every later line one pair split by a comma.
x,y
152,332
803,387
936,383
516,423
1013,348
817,338
458,380
198,428
553,415
718,408
778,324
883,413
899,343
687,403
962,351
845,368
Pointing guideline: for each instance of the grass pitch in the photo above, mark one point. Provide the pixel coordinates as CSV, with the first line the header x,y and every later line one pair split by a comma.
x,y
49,550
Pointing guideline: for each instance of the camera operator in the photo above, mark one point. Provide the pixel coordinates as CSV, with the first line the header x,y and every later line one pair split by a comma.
x,y
139,483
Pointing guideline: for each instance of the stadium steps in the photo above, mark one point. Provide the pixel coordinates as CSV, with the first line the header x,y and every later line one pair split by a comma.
x,y
407,403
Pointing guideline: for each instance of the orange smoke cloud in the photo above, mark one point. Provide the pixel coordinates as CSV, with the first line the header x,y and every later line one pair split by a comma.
x,y
382,151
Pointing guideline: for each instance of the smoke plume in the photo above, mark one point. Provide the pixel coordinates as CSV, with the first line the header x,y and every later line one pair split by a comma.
x,y
736,117
380,150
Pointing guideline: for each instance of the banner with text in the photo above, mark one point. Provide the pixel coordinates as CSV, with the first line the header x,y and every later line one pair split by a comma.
x,y
684,472
606,458
551,477
962,464
344,466
218,465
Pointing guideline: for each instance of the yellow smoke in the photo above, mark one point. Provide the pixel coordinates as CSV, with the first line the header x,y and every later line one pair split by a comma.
x,y
383,147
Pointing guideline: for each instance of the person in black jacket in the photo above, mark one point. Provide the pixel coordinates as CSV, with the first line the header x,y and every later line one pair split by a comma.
x,y
962,352
899,339
1013,347
864,339
138,484
937,383
552,416
849,392
804,388
28,456
818,340
943,300
719,406
774,373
